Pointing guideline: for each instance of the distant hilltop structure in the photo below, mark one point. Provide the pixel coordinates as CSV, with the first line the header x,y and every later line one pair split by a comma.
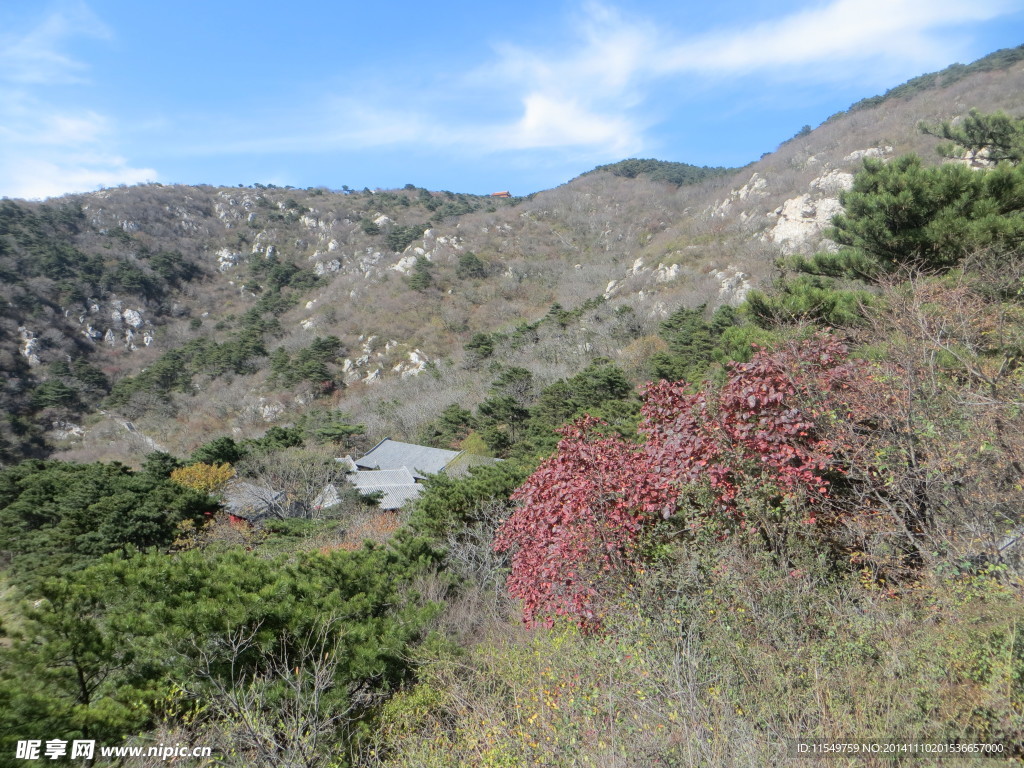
x,y
506,193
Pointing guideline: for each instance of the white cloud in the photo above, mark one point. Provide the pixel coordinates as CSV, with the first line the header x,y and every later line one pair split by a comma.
x,y
603,61
541,121
589,93
45,151
600,90
337,124
520,100
42,129
617,59
579,98
907,31
48,150
550,121
38,56
594,96
38,177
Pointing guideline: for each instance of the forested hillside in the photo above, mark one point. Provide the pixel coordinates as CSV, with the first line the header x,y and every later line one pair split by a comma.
x,y
741,458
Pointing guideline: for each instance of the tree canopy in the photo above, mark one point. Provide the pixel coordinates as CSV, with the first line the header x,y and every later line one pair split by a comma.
x,y
57,517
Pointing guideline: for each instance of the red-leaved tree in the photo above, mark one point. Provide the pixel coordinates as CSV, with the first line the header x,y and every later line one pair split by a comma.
x,y
763,439
578,518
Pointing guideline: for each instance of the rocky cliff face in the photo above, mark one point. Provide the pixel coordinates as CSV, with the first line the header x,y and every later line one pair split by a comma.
x,y
799,223
802,220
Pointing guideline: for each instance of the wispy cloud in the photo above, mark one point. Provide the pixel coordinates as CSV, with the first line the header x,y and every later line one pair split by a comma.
x,y
519,100
600,93
36,177
581,96
553,120
46,149
37,56
596,91
905,31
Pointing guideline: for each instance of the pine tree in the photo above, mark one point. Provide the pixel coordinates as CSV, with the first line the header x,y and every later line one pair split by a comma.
x,y
996,137
421,278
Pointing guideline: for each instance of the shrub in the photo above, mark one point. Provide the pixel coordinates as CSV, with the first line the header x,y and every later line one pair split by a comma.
x,y
205,478
470,266
754,454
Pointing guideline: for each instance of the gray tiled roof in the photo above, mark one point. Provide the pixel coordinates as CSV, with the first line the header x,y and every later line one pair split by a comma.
x,y
327,498
394,495
400,476
250,501
420,459
348,463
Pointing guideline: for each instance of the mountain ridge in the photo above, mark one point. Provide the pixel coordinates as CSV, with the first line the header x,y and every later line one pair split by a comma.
x,y
103,285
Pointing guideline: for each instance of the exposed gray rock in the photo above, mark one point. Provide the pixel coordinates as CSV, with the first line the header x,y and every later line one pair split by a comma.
x,y
228,259
325,267
801,221
835,182
734,285
405,264
132,317
65,430
665,274
757,186
860,154
29,346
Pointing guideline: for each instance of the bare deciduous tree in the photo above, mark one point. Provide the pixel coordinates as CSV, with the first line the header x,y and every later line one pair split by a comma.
x,y
284,714
291,482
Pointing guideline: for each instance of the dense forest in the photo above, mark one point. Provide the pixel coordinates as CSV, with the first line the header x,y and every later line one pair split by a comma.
x,y
793,515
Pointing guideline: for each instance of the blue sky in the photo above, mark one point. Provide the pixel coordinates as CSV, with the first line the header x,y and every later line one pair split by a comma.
x,y
468,97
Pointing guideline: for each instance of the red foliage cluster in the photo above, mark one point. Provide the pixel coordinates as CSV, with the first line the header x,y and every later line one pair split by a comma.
x,y
580,514
767,427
